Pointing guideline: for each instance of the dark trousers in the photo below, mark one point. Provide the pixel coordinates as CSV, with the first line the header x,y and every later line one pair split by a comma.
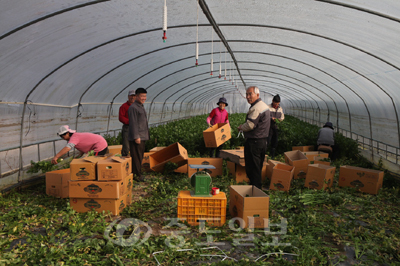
x,y
137,152
273,137
125,141
254,155
217,151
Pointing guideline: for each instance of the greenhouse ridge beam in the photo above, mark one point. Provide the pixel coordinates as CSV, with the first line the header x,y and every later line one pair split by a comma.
x,y
214,24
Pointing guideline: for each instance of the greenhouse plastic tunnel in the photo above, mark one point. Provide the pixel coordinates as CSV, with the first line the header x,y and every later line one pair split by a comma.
x,y
74,61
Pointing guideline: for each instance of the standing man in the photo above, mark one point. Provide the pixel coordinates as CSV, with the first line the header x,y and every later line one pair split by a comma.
x,y
277,116
124,119
138,132
255,129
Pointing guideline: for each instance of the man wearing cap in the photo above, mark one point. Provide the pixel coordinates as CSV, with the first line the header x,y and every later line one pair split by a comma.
x,y
83,142
326,139
255,129
277,116
218,115
124,119
138,132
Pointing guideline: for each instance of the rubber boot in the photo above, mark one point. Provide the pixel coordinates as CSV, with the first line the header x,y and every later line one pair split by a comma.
x,y
272,153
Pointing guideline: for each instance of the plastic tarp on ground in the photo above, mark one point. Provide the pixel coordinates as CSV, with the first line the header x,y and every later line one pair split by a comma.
x,y
74,61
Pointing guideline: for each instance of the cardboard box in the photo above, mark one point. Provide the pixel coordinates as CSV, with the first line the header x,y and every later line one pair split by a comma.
x,y
174,153
157,149
100,189
85,168
250,204
303,148
311,154
317,160
57,183
146,162
115,206
240,148
216,135
282,176
299,161
367,180
270,167
114,168
319,176
238,171
114,149
236,156
216,162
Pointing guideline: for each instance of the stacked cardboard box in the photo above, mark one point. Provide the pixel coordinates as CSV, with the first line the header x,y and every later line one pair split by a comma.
x,y
282,175
319,176
366,180
101,183
250,205
299,161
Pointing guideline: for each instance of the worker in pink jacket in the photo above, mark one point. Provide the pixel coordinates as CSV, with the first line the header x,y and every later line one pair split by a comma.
x,y
218,115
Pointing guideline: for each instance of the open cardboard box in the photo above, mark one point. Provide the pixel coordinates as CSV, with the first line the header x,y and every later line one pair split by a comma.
x,y
303,148
299,161
318,160
250,204
114,149
174,153
366,180
216,135
100,189
319,176
146,161
57,183
114,168
311,154
270,167
216,162
85,168
238,171
282,175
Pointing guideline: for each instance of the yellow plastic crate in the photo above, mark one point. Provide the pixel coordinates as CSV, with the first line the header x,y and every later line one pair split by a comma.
x,y
196,209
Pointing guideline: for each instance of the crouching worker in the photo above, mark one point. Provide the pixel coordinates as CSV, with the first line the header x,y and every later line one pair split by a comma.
x,y
83,142
326,140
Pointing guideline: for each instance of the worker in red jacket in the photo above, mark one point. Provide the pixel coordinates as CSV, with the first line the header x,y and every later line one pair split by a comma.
x,y
218,115
124,119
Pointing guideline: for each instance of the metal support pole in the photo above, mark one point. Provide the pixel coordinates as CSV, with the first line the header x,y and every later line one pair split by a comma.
x,y
38,150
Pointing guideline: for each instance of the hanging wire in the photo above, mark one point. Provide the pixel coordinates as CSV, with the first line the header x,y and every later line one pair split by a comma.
x,y
165,21
212,42
225,67
230,71
197,35
220,66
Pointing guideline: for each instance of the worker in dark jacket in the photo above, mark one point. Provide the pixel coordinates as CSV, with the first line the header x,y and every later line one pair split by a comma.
x,y
138,132
255,129
277,116
124,119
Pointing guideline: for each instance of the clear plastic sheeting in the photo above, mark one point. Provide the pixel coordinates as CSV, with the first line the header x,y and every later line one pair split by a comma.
x,y
73,62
